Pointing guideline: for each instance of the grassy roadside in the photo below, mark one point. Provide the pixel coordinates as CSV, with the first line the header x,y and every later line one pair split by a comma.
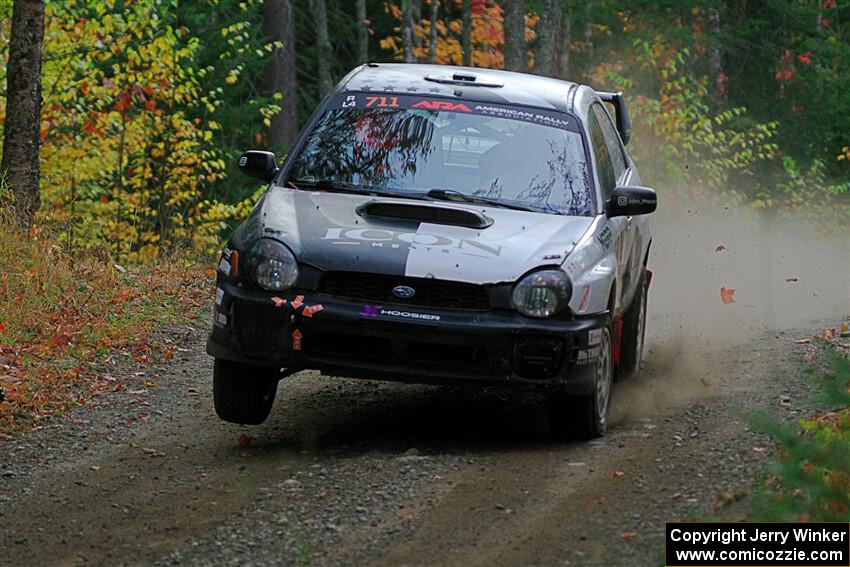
x,y
809,480
61,312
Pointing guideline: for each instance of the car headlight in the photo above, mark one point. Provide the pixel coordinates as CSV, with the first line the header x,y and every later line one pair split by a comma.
x,y
542,294
272,265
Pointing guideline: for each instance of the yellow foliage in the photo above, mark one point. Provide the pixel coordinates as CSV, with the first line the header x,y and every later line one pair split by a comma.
x,y
124,164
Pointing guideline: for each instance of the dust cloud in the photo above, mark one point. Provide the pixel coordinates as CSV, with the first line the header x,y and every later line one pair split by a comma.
x,y
788,278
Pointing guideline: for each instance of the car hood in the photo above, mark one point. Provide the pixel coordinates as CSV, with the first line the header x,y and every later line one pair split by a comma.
x,y
330,232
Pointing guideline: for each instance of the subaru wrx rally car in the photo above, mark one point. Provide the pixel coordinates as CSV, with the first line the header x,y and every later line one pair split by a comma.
x,y
442,224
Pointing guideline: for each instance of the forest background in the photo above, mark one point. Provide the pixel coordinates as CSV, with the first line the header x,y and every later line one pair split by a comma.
x,y
148,103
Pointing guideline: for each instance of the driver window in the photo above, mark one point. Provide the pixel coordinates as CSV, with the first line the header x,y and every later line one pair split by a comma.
x,y
607,178
612,140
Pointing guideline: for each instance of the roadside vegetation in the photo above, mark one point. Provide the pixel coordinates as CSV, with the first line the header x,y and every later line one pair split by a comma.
x,y
61,312
810,479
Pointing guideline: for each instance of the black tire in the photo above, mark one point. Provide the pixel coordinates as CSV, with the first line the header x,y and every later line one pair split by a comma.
x,y
634,331
242,393
586,417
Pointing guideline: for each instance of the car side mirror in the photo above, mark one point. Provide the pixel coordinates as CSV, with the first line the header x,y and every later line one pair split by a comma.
x,y
631,200
259,164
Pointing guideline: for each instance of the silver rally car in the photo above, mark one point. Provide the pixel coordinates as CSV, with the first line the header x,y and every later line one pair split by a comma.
x,y
442,225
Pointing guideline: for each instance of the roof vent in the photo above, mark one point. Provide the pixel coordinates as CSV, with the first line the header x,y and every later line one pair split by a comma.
x,y
466,79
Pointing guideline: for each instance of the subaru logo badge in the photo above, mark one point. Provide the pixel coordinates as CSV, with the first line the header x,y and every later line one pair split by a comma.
x,y
403,291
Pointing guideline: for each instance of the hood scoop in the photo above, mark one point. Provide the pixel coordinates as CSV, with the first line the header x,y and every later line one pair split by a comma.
x,y
430,213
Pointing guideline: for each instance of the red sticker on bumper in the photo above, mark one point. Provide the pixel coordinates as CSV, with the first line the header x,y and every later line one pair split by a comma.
x,y
309,311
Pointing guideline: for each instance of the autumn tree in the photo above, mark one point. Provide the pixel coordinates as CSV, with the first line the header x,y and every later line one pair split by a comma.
x,y
514,26
19,166
279,27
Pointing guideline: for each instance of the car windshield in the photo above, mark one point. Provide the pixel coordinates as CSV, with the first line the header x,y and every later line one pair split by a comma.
x,y
466,151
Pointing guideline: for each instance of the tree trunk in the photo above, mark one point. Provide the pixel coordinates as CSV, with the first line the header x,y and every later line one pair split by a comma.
x,y
466,33
19,164
550,22
407,30
279,26
323,45
588,37
432,48
362,33
564,42
417,20
514,30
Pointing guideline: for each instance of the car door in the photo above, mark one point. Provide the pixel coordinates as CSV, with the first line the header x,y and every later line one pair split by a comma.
x,y
611,170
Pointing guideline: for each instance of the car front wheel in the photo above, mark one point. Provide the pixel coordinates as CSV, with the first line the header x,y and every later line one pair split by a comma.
x,y
586,417
243,393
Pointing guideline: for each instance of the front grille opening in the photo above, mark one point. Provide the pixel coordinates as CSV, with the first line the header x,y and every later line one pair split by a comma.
x,y
378,288
353,347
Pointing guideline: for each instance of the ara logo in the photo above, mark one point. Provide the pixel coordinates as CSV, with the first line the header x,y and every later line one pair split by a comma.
x,y
382,238
442,105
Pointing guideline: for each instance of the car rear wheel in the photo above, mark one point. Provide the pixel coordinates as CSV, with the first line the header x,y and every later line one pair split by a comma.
x,y
586,417
634,331
243,393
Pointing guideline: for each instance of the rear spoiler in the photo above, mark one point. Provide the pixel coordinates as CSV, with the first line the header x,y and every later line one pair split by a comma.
x,y
624,123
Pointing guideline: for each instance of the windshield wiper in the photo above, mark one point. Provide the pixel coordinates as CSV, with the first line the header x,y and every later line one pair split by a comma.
x,y
457,196
333,185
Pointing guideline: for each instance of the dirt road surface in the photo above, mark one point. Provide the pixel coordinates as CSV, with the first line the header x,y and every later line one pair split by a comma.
x,y
352,472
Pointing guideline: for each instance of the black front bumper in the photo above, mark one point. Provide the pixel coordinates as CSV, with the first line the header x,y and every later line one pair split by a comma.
x,y
339,336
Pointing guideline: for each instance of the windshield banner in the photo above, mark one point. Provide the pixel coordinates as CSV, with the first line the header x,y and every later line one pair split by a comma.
x,y
388,101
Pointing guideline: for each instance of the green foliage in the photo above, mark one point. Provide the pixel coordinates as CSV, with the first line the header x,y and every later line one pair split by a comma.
x,y
806,193
693,145
811,479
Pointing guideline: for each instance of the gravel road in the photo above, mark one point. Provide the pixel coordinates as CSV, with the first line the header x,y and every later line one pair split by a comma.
x,y
350,472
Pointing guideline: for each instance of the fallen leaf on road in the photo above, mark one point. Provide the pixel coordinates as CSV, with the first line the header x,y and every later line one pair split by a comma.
x,y
148,452
791,280
720,248
95,467
760,449
244,440
727,295
629,535
150,384
617,474
705,383
803,341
